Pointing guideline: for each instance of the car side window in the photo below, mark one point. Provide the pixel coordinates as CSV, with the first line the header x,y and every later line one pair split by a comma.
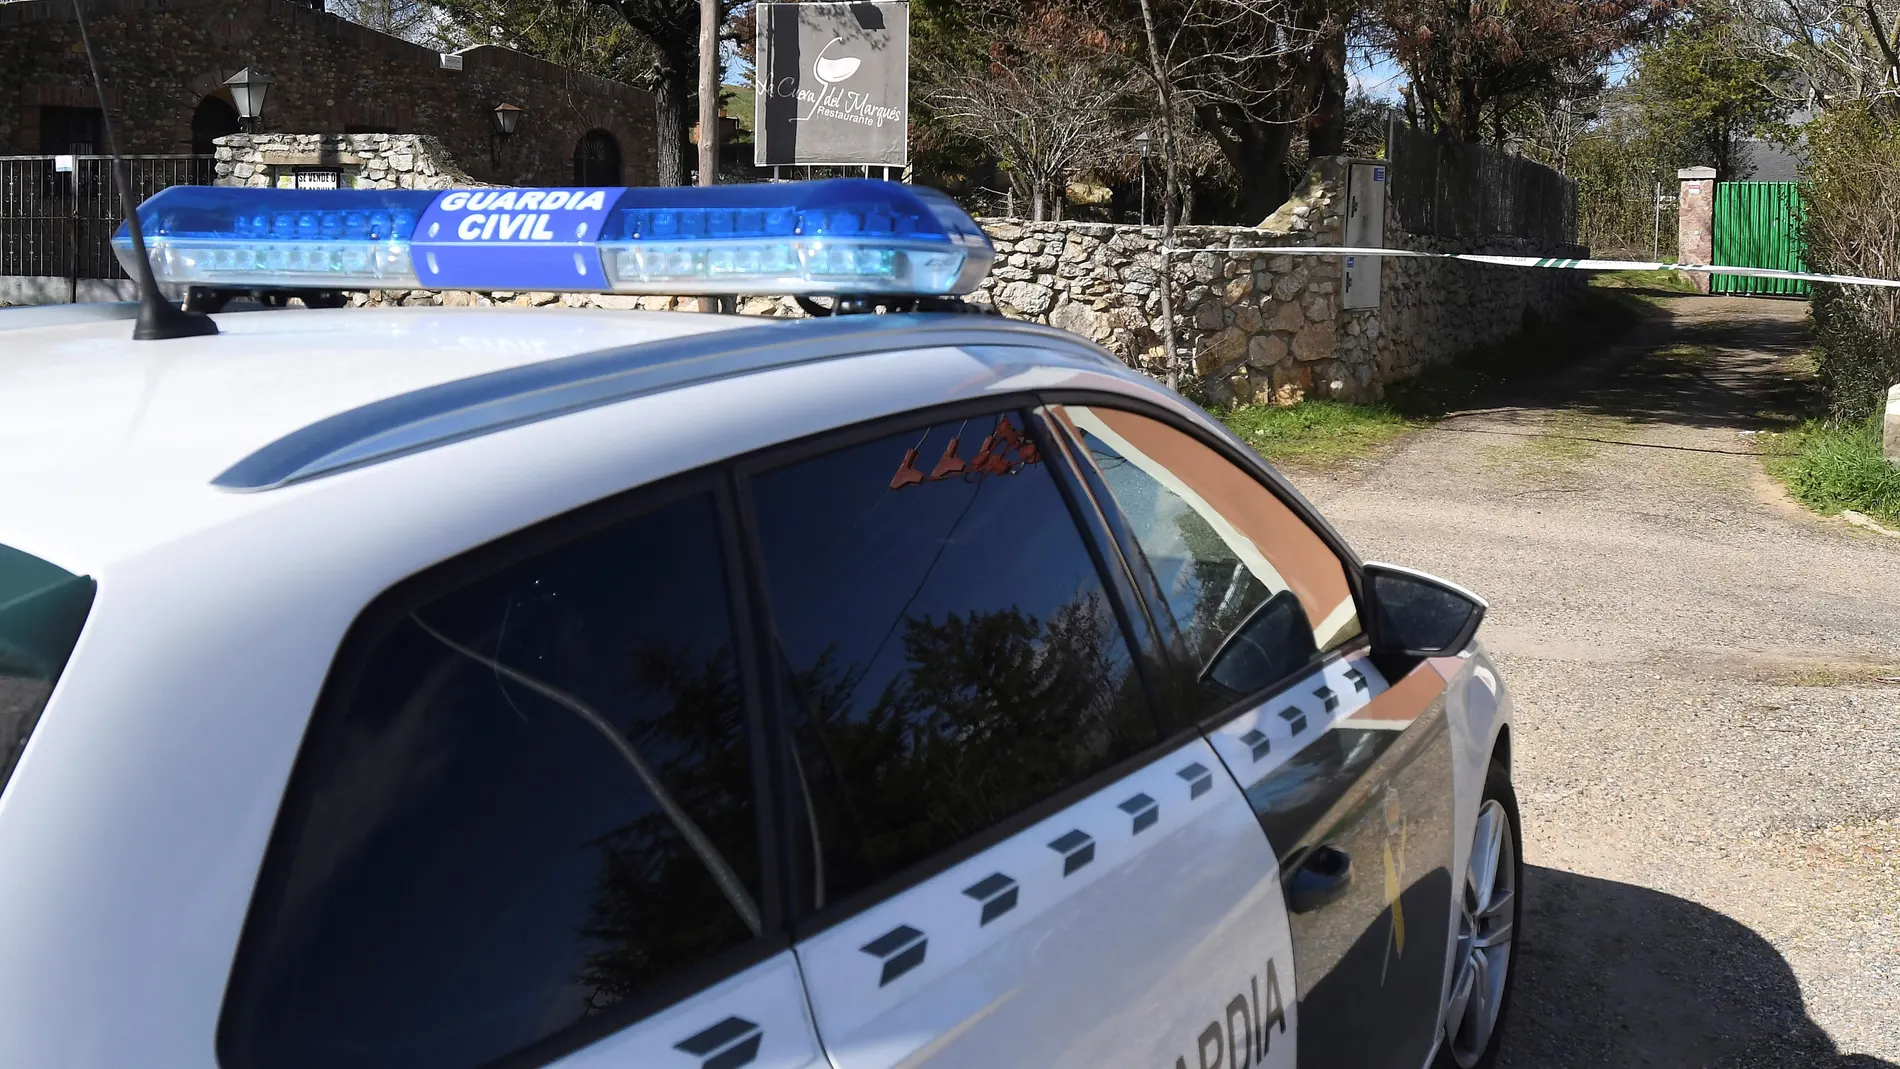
x,y
529,804
951,654
1253,595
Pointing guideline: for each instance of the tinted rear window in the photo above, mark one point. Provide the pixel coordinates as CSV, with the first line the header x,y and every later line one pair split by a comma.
x,y
42,608
529,808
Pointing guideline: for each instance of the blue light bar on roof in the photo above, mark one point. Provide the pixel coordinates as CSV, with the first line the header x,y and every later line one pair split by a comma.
x,y
840,236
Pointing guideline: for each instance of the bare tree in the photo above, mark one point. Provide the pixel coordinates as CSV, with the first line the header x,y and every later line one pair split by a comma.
x,y
412,20
1846,51
1249,71
1038,89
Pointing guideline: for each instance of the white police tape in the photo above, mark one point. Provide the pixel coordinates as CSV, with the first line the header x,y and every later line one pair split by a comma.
x,y
1553,262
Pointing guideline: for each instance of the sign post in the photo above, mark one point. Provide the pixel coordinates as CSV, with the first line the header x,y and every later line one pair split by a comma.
x,y
833,85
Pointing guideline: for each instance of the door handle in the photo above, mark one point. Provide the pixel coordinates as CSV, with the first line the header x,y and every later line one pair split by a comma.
x,y
1322,877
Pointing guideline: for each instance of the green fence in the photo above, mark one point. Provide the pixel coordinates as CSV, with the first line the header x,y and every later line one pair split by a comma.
x,y
1757,224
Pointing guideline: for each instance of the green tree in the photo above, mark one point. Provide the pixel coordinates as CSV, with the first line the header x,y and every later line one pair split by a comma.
x,y
1702,93
1465,57
1851,226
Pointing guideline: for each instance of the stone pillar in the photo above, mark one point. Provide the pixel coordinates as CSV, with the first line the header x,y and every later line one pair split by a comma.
x,y
1890,441
1695,220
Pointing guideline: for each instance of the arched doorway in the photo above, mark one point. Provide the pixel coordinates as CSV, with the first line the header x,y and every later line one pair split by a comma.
x,y
214,118
597,160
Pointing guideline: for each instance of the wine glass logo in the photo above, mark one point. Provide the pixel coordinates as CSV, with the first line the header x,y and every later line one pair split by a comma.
x,y
832,71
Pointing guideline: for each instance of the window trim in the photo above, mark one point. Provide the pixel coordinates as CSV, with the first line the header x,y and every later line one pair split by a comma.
x,y
366,633
1264,474
807,921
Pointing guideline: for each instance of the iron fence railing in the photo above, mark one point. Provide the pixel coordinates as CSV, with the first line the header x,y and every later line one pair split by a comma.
x,y
1445,188
59,223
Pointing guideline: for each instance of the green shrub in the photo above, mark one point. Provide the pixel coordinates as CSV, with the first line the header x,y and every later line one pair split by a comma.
x,y
1834,465
1851,226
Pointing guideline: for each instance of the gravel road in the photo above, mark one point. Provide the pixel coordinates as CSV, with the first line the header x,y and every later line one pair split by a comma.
x,y
1707,755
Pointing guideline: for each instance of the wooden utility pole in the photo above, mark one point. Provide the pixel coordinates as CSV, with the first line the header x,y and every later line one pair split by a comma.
x,y
708,92
709,109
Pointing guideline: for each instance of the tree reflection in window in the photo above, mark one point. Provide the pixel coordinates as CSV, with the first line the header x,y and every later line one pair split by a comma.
x,y
952,654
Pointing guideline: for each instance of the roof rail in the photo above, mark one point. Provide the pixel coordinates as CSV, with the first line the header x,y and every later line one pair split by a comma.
x,y
468,408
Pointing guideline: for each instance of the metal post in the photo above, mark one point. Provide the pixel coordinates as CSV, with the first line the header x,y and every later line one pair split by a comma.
x,y
1655,243
1142,212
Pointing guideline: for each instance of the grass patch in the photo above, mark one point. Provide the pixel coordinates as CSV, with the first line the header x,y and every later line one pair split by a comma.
x,y
1831,466
1314,433
1645,284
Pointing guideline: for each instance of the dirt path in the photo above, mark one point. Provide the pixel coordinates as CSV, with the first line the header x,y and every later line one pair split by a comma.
x,y
1707,759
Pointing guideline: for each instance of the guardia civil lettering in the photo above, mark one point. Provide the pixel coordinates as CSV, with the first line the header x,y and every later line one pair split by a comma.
x,y
516,215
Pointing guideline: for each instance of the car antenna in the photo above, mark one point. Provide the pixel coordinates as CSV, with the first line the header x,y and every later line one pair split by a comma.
x,y
158,317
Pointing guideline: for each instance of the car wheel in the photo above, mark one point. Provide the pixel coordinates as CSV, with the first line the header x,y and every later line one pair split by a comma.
x,y
1490,905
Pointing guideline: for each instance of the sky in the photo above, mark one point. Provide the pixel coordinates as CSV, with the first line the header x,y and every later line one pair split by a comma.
x,y
1376,76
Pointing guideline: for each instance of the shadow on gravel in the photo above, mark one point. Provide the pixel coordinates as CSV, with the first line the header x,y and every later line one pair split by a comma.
x,y
1697,362
1616,975
1728,370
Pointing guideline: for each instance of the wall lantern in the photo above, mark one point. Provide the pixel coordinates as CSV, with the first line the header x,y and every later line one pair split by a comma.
x,y
247,92
507,116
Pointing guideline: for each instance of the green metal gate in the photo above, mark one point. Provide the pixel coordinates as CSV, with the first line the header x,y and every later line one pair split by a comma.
x,y
1757,224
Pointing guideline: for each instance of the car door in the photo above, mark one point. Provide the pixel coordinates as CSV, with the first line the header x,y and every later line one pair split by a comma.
x,y
1344,758
1001,859
523,828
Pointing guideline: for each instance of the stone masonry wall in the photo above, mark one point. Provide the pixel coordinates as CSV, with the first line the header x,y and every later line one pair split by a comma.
x,y
368,161
160,58
1261,327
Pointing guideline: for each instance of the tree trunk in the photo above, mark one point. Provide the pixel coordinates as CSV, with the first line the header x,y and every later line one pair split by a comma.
x,y
1171,155
1036,201
670,136
1257,152
1469,122
1326,126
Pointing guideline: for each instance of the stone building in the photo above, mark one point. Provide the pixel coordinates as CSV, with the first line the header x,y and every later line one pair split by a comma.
x,y
164,63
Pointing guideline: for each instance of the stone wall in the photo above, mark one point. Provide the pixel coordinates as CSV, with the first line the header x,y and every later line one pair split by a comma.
x,y
160,59
366,161
1264,326
1261,327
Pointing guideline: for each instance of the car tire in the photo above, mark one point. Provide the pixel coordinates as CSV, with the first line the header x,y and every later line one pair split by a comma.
x,y
1465,1042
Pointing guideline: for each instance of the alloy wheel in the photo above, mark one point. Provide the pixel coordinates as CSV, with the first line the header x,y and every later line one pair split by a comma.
x,y
1487,910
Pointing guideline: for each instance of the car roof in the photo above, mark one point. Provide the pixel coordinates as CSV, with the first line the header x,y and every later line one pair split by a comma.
x,y
97,428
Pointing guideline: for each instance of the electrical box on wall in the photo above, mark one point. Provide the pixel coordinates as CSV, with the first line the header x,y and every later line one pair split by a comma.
x,y
1365,229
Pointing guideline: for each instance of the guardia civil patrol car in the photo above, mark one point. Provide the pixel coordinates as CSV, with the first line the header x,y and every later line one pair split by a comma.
x,y
456,688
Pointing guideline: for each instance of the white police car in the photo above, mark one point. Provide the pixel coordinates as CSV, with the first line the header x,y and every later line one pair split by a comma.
x,y
457,688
